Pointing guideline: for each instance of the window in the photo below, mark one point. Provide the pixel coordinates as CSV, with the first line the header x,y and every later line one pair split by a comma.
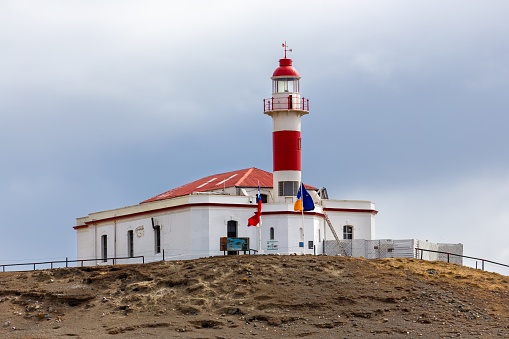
x,y
231,231
286,85
104,247
310,244
288,188
347,232
271,233
264,198
157,239
130,243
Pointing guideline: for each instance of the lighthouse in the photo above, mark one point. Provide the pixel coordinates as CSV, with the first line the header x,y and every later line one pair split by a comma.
x,y
286,107
218,207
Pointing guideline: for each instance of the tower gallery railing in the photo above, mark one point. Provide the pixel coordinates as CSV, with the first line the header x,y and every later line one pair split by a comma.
x,y
272,104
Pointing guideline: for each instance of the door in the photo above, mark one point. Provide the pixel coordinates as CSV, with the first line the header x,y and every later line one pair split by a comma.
x,y
232,232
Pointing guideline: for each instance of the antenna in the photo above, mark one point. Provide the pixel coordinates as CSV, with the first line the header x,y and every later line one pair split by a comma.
x,y
286,49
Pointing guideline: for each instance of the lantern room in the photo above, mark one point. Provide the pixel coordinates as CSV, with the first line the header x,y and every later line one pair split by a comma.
x,y
285,85
285,78
286,89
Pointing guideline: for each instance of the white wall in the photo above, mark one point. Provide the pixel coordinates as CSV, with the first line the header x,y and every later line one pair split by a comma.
x,y
361,222
193,230
359,216
85,239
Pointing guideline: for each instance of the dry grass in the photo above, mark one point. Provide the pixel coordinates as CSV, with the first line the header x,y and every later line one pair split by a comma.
x,y
268,296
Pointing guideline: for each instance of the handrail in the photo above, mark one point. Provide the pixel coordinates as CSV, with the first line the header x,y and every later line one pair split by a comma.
x,y
291,104
458,255
67,261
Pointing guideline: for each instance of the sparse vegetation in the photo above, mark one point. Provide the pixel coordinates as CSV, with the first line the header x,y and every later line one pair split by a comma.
x,y
268,296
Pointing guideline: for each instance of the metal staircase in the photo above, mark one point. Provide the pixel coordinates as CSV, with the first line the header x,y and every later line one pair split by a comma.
x,y
340,244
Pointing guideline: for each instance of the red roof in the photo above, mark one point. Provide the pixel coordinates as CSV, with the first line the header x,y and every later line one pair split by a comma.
x,y
248,177
285,69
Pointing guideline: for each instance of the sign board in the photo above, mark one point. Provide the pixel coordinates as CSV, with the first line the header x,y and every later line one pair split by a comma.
x,y
234,244
272,245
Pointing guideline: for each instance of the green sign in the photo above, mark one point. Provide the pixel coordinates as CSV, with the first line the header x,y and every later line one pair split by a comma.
x,y
272,245
237,244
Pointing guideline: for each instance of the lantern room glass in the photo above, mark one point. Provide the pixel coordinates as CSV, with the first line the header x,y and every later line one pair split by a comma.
x,y
283,85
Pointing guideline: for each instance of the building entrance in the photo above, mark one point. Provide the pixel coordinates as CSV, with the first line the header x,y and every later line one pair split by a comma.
x,y
232,232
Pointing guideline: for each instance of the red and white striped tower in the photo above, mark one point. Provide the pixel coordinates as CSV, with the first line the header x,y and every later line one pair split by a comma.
x,y
286,107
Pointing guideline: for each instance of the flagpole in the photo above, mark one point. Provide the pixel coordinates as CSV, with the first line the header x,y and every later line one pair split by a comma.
x,y
302,211
260,225
260,236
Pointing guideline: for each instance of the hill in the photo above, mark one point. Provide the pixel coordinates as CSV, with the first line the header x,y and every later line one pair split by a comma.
x,y
256,296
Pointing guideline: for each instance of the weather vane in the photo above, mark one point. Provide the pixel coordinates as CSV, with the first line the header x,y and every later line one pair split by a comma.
x,y
285,46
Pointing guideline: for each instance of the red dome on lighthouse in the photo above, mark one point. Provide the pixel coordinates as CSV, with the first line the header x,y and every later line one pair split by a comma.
x,y
285,69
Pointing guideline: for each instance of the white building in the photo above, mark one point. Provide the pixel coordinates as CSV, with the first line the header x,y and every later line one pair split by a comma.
x,y
189,221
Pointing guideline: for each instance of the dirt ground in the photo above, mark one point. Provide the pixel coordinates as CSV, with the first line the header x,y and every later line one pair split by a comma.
x,y
257,297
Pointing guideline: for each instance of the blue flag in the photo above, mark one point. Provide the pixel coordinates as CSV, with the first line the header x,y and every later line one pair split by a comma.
x,y
304,200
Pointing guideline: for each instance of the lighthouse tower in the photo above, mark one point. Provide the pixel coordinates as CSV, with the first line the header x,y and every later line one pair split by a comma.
x,y
286,107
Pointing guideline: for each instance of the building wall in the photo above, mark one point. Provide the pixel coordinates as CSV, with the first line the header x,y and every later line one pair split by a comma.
x,y
362,224
193,228
85,239
218,221
108,231
355,213
389,248
452,249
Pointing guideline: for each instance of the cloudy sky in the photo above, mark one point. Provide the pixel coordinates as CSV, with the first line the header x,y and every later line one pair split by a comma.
x,y
106,103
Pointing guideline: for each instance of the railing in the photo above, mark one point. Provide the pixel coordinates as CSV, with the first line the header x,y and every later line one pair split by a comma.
x,y
290,103
67,262
458,255
82,261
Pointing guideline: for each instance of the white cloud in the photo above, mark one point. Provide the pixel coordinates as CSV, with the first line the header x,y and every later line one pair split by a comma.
x,y
472,210
93,93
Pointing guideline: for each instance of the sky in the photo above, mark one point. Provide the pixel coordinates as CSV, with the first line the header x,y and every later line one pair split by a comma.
x,y
104,104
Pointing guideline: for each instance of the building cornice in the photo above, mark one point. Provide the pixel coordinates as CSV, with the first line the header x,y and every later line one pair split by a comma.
x,y
350,210
94,222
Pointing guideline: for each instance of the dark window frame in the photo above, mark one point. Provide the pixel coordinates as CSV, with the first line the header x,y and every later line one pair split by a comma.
x,y
157,239
288,188
232,231
348,232
104,247
130,243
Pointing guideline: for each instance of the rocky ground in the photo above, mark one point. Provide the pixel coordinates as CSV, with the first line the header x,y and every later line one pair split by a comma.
x,y
257,297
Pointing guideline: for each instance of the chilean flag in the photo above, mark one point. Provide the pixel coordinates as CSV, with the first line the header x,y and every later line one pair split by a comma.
x,y
257,218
